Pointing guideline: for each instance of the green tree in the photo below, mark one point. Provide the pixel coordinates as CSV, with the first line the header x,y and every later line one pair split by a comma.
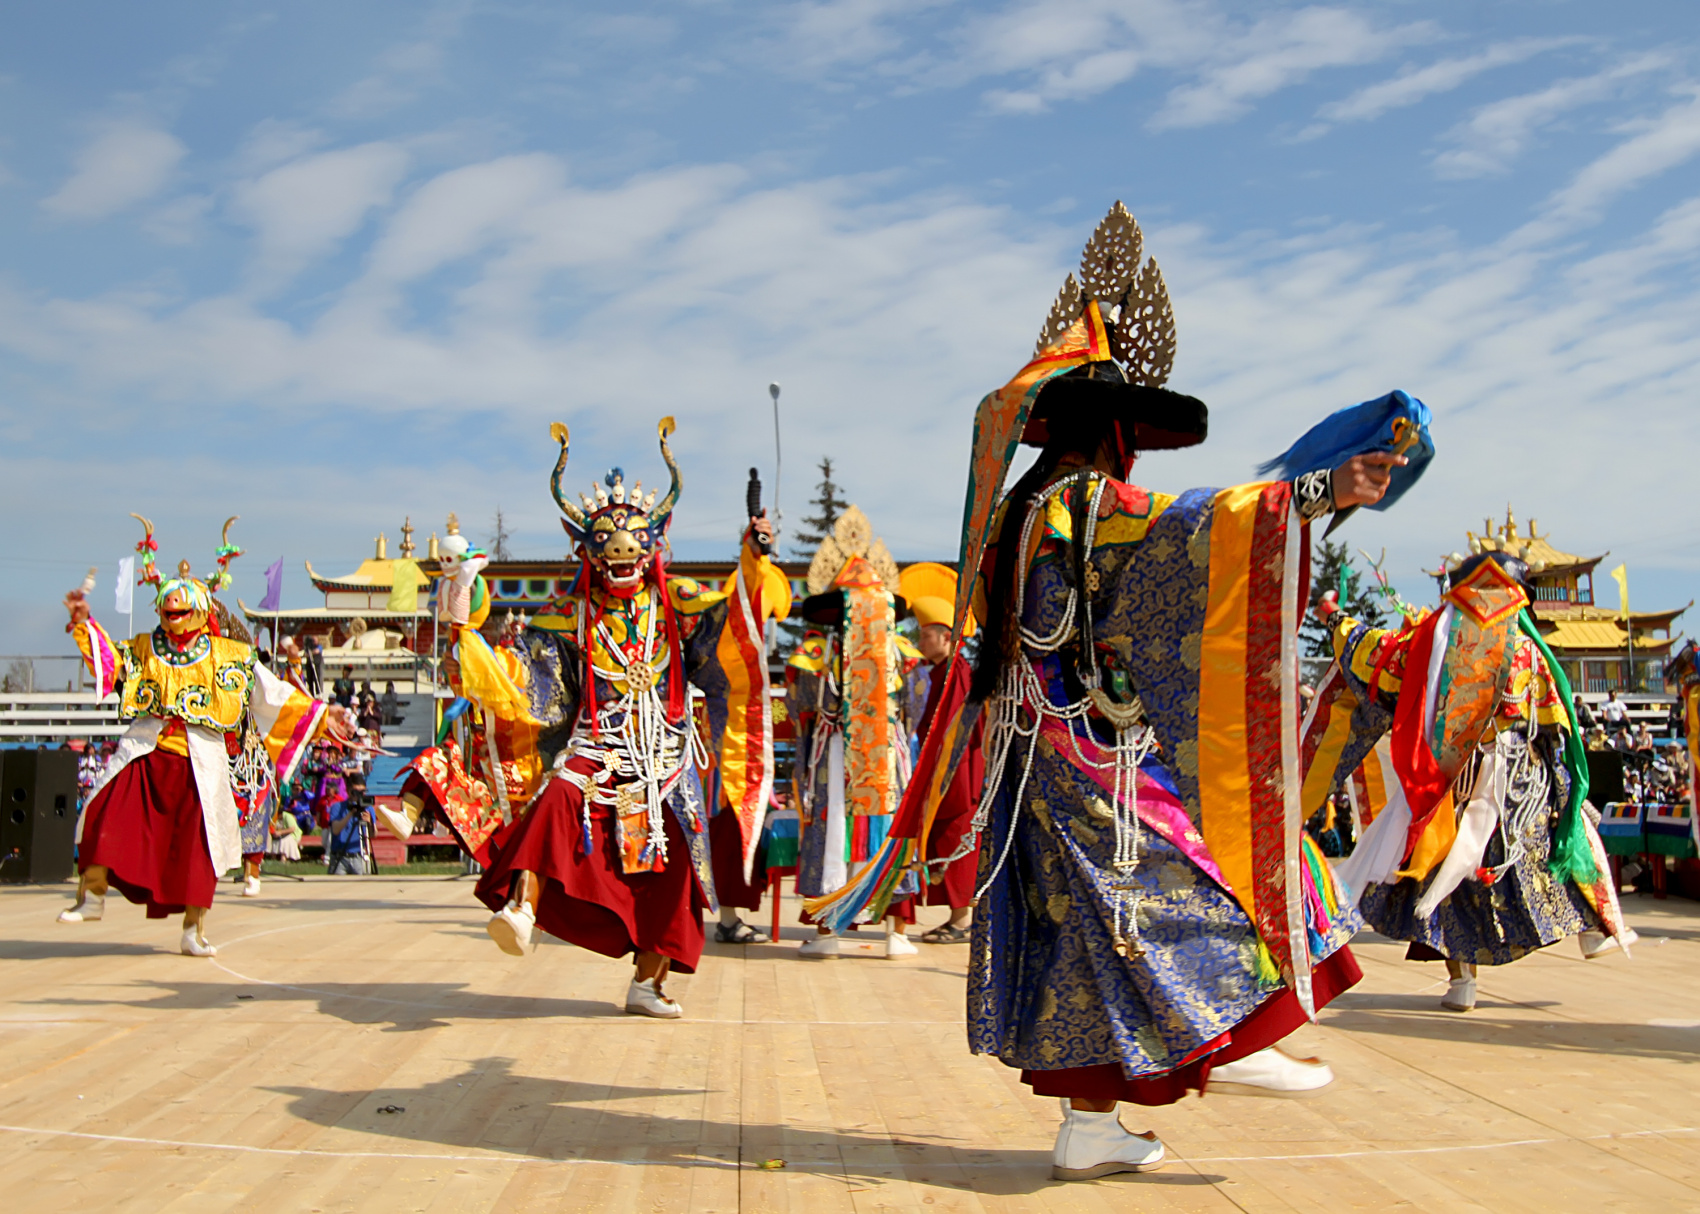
x,y
1331,569
827,506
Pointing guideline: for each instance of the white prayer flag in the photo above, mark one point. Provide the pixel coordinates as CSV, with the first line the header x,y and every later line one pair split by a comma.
x,y
126,599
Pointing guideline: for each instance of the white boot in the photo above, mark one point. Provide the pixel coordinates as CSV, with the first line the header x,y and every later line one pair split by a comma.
x,y
1596,943
194,946
1460,995
642,999
1090,1145
511,928
251,887
400,822
820,946
898,945
88,909
1270,1072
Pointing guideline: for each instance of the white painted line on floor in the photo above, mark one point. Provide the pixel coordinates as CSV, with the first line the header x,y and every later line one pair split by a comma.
x,y
1471,1146
1199,1161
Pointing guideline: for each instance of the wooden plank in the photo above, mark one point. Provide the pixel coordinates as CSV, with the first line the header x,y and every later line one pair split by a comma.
x,y
525,1086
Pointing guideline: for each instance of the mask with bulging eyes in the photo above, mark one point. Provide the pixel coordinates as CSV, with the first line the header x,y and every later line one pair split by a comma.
x,y
619,531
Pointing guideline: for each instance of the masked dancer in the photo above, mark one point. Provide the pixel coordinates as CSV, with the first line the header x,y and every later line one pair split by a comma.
x,y
485,765
613,853
212,728
1486,851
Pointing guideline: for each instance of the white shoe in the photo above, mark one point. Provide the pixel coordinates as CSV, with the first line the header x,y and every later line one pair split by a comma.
x,y
1460,995
511,928
1596,943
820,946
897,945
1270,1072
251,887
642,999
193,946
399,823
89,910
1090,1145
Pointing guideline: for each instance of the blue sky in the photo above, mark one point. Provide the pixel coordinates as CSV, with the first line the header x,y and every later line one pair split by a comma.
x,y
326,265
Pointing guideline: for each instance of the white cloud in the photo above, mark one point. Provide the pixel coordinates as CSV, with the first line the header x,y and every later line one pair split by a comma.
x,y
1053,51
1442,76
304,209
687,291
1276,53
125,163
1656,146
819,36
1496,134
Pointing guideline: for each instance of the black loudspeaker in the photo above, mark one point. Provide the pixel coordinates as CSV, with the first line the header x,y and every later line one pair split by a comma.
x,y
1605,777
38,815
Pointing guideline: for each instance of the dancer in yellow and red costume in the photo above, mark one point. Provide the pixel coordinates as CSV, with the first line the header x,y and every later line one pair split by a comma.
x,y
485,765
951,845
613,853
208,721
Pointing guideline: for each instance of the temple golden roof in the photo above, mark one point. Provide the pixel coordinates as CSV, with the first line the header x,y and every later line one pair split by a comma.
x,y
377,572
1534,549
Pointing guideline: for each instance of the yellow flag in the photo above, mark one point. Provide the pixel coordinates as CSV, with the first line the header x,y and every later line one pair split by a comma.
x,y
404,587
1620,575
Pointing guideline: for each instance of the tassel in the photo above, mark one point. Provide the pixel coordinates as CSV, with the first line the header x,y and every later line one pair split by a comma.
x,y
870,888
1268,977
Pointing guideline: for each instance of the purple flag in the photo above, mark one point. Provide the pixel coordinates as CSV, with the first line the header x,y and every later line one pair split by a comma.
x,y
274,587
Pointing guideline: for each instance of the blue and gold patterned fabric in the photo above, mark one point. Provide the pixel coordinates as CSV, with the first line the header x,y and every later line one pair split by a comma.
x,y
1047,988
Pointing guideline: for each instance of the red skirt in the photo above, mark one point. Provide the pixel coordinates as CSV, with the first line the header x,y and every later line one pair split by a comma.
x,y
1275,1019
586,899
957,888
145,828
726,851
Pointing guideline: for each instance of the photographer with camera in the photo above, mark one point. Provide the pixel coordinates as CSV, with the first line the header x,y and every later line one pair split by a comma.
x,y
349,832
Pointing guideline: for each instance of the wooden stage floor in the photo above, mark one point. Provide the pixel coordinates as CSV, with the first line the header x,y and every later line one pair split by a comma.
x,y
359,1044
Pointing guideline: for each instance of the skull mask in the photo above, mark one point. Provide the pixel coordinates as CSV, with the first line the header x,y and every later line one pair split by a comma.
x,y
619,533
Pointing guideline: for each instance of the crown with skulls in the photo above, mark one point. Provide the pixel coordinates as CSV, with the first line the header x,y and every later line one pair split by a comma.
x,y
612,496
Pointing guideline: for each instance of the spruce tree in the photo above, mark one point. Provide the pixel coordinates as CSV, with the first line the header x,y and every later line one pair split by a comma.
x,y
827,506
1331,569
499,537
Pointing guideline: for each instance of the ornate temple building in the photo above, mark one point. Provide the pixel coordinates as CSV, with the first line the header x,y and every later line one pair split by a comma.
x,y
1599,650
356,625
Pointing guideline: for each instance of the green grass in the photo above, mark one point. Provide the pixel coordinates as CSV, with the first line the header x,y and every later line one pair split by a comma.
x,y
316,868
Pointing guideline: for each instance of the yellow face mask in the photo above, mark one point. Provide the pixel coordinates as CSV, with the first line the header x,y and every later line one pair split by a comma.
x,y
183,605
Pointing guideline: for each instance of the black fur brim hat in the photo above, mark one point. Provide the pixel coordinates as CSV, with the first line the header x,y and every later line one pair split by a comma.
x,y
825,610
1153,419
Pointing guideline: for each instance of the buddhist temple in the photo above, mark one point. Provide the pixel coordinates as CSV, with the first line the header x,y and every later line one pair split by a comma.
x,y
1592,643
356,625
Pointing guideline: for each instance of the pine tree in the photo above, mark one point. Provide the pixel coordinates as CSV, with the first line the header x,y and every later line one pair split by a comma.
x,y
827,507
1331,569
499,537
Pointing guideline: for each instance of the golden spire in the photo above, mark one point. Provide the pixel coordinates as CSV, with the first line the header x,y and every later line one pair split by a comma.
x,y
407,538
431,546
383,546
454,523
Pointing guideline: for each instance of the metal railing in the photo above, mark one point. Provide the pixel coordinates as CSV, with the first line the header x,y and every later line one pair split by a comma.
x,y
31,672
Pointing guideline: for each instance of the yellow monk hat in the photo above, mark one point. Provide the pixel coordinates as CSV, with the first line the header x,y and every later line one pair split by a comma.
x,y
930,590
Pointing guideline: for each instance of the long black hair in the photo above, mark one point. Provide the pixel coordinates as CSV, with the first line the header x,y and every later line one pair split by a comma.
x,y
1069,434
